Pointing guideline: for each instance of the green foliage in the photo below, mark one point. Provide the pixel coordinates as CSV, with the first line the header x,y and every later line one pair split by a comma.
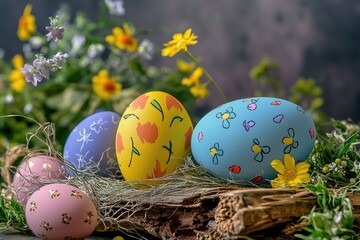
x,y
333,219
67,97
265,77
336,159
12,215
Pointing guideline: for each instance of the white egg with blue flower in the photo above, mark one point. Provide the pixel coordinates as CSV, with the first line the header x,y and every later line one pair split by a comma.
x,y
91,144
238,140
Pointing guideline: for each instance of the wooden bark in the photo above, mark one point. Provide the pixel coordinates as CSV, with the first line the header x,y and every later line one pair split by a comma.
x,y
226,213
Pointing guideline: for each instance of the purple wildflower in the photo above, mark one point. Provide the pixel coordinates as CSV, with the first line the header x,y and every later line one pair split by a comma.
x,y
115,7
55,31
41,64
32,74
57,61
146,49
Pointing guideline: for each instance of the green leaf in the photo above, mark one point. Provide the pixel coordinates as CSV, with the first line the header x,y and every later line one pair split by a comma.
x,y
353,138
317,103
130,115
134,149
312,188
137,67
157,105
176,118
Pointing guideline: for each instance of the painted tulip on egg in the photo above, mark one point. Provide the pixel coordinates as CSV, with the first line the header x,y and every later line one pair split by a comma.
x,y
153,137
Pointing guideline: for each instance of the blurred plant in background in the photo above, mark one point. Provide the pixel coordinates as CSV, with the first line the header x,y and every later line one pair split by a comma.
x,y
267,82
104,66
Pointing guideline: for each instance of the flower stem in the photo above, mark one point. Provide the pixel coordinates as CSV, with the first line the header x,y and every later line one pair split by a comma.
x,y
93,106
208,76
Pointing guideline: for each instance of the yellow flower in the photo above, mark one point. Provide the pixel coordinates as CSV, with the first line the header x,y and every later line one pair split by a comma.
x,y
17,78
289,173
123,38
199,90
194,78
104,86
27,25
185,67
118,238
178,43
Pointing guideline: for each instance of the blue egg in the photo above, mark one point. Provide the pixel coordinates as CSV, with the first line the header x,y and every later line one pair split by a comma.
x,y
238,140
91,144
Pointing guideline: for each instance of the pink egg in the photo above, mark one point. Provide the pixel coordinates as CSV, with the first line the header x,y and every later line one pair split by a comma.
x,y
61,211
33,172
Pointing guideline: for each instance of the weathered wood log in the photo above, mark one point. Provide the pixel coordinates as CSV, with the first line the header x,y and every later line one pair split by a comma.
x,y
224,212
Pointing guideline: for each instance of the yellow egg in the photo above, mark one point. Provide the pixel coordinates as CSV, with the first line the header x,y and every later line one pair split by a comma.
x,y
153,136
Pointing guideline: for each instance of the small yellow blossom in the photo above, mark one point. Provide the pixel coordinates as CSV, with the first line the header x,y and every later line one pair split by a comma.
x,y
290,174
199,90
178,43
185,67
194,78
118,238
123,38
17,78
104,86
26,27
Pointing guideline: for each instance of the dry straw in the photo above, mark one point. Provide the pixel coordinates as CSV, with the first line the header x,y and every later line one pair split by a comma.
x,y
115,198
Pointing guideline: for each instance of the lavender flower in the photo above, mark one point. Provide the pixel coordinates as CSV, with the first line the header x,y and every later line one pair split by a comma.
x,y
77,42
95,50
42,65
32,74
28,107
146,49
59,60
115,7
55,31
9,99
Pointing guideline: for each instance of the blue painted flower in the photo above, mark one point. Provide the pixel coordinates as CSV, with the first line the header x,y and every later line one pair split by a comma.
x,y
289,141
215,152
226,116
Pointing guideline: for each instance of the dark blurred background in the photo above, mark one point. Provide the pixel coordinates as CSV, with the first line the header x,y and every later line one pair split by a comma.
x,y
312,39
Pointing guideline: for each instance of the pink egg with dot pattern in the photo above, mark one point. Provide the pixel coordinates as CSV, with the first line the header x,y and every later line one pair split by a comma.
x,y
35,172
61,211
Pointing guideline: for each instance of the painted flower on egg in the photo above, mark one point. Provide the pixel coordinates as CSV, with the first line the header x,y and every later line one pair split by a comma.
x,y
153,136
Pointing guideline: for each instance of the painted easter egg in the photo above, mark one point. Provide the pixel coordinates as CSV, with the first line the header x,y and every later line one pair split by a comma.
x,y
153,136
91,144
61,211
238,140
35,172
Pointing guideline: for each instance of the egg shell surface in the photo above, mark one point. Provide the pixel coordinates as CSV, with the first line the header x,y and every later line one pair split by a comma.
x,y
153,136
35,172
61,211
91,144
238,140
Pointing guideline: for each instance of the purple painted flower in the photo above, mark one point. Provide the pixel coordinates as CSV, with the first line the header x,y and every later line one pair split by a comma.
x,y
55,31
32,74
